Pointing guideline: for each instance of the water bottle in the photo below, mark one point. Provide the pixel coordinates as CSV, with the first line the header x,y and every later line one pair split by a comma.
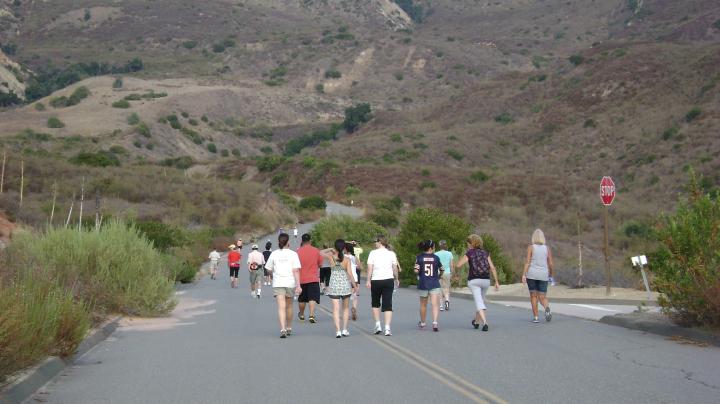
x,y
552,281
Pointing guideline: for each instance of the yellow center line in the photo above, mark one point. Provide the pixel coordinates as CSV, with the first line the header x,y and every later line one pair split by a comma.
x,y
450,379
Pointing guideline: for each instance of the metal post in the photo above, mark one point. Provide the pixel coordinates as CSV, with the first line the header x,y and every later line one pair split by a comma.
x,y
608,276
645,281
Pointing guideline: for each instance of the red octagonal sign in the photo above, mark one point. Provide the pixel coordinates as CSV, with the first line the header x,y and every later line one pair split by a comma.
x,y
607,191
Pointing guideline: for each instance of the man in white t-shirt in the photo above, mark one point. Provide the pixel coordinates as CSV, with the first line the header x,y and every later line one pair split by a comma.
x,y
284,264
382,279
214,258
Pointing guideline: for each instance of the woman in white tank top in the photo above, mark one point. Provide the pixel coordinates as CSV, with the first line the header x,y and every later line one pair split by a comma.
x,y
538,270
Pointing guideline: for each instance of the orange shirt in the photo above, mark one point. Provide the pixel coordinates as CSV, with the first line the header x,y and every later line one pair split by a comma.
x,y
310,262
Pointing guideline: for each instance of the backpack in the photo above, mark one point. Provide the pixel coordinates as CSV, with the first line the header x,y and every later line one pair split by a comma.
x,y
253,265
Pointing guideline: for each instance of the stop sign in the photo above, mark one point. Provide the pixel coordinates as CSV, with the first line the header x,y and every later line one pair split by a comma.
x,y
607,191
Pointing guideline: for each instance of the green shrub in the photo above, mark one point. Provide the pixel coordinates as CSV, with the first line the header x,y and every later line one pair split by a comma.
x,y
143,130
385,218
413,10
55,123
235,152
218,48
693,114
189,44
123,104
277,179
504,118
356,116
193,122
687,265
670,132
225,152
212,148
399,76
183,162
118,83
590,123
479,176
269,163
99,159
184,114
331,228
716,24
427,184
78,95
576,60
296,145
313,203
455,154
332,74
320,88
133,119
266,150
118,150
133,97
39,106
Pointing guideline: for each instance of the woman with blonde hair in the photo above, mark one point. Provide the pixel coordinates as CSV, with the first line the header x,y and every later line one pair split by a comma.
x,y
481,266
538,269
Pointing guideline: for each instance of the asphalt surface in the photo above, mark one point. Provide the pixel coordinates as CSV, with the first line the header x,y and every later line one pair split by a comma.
x,y
222,346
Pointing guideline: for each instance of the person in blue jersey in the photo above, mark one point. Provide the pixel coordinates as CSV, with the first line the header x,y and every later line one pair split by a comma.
x,y
429,270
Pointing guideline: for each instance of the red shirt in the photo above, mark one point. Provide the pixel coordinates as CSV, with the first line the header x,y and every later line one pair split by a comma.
x,y
310,262
234,258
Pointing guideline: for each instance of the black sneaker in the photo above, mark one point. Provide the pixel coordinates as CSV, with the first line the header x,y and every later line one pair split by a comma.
x,y
312,319
474,324
447,305
485,327
289,332
283,334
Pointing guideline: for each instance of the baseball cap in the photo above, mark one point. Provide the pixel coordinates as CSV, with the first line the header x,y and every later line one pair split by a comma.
x,y
254,247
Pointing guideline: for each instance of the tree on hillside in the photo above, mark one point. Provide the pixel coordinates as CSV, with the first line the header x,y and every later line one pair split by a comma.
x,y
356,116
414,11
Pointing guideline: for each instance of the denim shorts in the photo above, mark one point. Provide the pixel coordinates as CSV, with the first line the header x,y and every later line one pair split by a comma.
x,y
537,286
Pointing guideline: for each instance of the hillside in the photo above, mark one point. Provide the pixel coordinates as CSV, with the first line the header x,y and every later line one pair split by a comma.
x,y
507,113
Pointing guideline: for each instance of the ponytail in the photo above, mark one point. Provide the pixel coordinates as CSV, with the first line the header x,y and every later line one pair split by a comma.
x,y
340,245
283,240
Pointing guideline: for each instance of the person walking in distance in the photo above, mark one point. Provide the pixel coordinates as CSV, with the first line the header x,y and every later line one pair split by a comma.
x,y
214,258
324,273
448,261
357,252
255,264
285,267
382,279
341,285
356,266
538,270
481,266
239,244
429,270
295,231
310,261
266,256
234,257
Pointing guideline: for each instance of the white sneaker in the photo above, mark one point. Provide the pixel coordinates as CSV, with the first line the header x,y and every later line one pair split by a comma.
x,y
258,293
252,294
338,335
387,332
378,328
345,333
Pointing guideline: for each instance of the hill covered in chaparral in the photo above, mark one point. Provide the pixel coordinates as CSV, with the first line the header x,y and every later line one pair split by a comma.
x,y
504,112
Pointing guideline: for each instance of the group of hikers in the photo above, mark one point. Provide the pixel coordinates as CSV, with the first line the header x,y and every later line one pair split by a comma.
x,y
309,272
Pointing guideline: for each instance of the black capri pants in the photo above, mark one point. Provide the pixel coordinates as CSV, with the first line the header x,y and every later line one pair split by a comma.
x,y
234,272
382,290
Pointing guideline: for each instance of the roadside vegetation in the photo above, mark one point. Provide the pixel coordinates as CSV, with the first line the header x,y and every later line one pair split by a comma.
x,y
687,264
54,284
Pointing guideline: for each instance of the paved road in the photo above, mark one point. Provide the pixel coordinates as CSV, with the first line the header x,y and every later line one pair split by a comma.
x,y
222,346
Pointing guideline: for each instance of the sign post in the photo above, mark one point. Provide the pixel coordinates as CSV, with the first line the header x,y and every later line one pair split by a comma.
x,y
607,195
639,262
